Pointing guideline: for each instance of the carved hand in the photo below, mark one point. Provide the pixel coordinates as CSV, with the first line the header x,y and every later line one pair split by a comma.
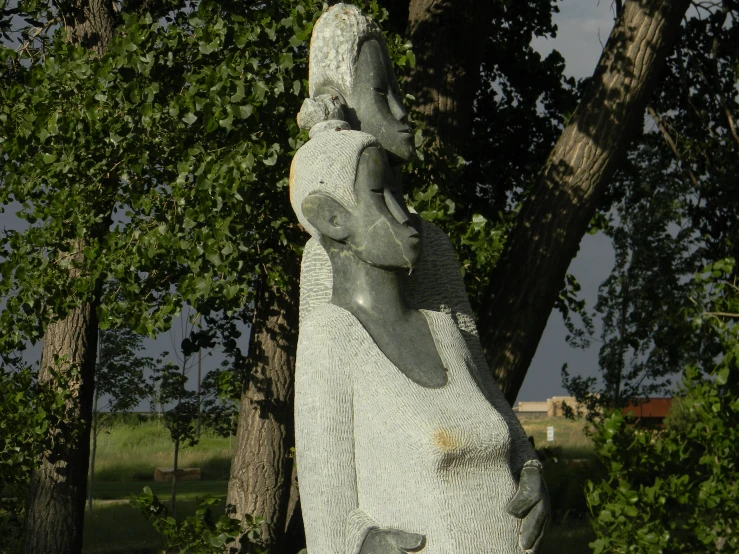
x,y
531,504
392,541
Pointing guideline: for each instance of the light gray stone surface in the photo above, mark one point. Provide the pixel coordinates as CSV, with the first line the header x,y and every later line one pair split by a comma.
x,y
376,451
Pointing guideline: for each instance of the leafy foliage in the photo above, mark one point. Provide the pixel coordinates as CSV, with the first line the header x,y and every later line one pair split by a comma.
x,y
671,209
199,533
168,156
121,370
520,110
27,411
675,490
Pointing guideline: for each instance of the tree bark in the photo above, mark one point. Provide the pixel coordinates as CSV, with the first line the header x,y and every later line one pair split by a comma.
x,y
92,23
261,469
547,234
55,505
56,500
93,449
447,73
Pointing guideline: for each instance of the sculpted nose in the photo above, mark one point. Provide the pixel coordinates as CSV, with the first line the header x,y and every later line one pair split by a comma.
x,y
396,107
400,213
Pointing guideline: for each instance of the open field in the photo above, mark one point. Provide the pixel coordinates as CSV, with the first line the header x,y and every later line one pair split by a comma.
x,y
128,454
568,435
131,452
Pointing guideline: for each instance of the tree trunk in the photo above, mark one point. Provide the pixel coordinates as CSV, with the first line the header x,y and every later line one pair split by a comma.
x,y
94,22
262,465
547,234
174,477
447,73
55,506
56,499
94,448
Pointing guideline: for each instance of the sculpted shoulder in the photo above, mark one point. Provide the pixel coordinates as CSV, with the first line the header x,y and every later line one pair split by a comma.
x,y
332,331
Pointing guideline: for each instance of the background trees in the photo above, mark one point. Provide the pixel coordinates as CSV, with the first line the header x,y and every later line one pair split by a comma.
x,y
148,142
671,211
120,379
673,490
138,162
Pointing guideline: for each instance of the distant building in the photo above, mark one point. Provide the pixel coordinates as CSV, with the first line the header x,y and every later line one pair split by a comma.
x,y
552,407
649,412
531,408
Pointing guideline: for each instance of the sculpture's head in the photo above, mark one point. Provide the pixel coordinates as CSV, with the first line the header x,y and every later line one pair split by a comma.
x,y
349,60
344,193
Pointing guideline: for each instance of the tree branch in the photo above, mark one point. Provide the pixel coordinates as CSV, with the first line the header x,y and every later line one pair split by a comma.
x,y
527,280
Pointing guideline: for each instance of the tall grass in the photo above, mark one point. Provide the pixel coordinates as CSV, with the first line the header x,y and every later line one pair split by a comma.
x,y
131,452
569,435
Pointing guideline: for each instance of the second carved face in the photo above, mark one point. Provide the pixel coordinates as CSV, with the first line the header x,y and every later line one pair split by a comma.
x,y
377,229
384,233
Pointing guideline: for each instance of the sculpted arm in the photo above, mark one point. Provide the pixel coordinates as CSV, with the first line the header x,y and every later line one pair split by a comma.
x,y
324,442
324,427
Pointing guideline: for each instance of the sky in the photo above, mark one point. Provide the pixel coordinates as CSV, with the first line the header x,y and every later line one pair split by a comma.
x,y
583,27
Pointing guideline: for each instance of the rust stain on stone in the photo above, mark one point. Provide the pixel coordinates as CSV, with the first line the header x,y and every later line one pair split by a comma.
x,y
445,440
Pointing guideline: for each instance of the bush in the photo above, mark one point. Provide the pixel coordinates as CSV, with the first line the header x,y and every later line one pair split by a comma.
x,y
27,411
198,533
676,490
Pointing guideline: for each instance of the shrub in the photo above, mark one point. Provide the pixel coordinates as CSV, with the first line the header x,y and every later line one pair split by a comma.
x,y
676,490
198,533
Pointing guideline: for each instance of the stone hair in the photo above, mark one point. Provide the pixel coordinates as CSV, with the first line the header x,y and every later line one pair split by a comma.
x,y
337,38
324,107
327,164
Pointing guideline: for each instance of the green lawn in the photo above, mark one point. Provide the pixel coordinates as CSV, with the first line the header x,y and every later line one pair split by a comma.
x,y
125,462
128,455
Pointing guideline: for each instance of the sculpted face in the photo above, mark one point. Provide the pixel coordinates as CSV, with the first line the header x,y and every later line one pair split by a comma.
x,y
374,103
383,232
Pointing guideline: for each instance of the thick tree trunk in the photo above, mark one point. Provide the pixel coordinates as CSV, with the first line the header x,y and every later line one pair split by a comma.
x,y
262,466
56,500
93,449
548,231
55,506
449,38
94,22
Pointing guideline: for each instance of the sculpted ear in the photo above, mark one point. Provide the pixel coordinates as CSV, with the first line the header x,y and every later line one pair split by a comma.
x,y
327,215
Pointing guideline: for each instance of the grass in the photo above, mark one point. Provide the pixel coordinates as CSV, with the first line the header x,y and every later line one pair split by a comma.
x,y
568,436
131,452
128,454
117,528
126,458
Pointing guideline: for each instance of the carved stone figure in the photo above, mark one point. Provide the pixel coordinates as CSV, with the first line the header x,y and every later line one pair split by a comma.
x,y
404,442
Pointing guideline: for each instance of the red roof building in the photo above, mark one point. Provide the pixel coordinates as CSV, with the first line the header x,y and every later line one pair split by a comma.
x,y
650,411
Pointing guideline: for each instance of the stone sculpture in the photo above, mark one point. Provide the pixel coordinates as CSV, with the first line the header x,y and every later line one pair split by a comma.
x,y
404,442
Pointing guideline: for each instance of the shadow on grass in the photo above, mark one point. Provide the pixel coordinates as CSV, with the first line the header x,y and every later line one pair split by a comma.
x,y
115,527
215,468
570,538
186,490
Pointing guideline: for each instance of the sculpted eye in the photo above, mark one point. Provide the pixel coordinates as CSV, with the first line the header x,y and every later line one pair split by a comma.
x,y
380,90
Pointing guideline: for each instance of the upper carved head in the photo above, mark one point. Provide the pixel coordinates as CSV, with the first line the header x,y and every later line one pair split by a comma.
x,y
351,77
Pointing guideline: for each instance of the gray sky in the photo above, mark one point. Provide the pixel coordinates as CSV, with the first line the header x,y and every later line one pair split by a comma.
x,y
583,26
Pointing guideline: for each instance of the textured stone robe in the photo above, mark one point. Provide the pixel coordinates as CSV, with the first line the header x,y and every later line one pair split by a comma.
x,y
375,449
